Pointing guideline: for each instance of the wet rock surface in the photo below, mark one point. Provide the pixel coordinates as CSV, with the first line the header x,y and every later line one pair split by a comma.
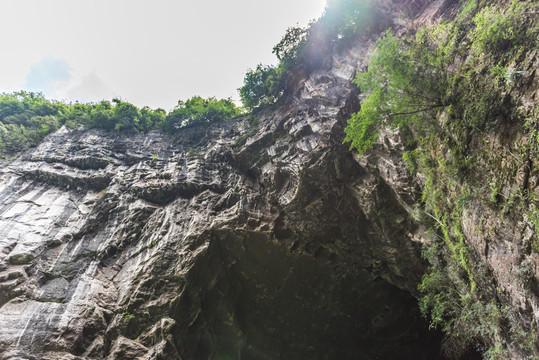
x,y
198,246
241,240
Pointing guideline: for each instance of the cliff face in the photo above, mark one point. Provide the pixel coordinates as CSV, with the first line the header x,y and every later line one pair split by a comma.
x,y
212,244
266,240
257,238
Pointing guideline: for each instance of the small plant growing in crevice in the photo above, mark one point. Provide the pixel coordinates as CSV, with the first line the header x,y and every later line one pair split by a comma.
x,y
126,316
193,151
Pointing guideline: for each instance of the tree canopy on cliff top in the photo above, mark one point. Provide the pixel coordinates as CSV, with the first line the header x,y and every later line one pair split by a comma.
x,y
306,47
26,117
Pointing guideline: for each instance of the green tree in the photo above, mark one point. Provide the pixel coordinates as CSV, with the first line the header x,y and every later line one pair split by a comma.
x,y
38,127
101,116
10,104
18,107
292,45
25,119
402,89
343,19
77,114
126,116
199,111
261,86
305,48
149,119
12,138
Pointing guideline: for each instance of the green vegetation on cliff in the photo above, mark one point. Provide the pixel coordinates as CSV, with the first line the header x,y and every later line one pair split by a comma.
x,y
303,49
410,80
26,118
199,111
450,89
404,88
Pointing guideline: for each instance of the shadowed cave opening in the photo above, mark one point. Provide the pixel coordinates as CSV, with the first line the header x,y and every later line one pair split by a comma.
x,y
264,302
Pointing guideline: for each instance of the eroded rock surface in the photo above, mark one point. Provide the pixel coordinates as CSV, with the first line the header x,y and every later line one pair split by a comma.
x,y
252,241
201,246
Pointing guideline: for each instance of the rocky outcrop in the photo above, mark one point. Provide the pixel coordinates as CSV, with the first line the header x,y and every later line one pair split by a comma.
x,y
258,238
241,240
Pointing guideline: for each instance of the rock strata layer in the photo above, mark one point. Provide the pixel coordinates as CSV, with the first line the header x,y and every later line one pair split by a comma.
x,y
251,240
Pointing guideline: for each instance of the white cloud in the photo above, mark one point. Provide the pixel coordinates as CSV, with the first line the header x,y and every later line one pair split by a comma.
x,y
57,80
47,75
90,89
149,52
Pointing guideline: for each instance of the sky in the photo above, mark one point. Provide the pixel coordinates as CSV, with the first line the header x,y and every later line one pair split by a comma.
x,y
147,52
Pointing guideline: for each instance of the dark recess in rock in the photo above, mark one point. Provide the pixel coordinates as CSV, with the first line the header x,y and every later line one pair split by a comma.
x,y
284,246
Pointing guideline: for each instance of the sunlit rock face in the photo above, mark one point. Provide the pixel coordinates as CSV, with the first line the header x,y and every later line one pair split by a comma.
x,y
251,240
201,246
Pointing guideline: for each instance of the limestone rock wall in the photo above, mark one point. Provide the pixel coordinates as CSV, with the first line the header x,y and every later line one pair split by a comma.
x,y
248,239
211,244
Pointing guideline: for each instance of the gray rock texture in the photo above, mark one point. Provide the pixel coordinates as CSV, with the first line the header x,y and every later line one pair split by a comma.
x,y
258,238
239,240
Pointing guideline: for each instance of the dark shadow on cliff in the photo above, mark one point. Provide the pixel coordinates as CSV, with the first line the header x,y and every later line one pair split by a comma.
x,y
266,303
